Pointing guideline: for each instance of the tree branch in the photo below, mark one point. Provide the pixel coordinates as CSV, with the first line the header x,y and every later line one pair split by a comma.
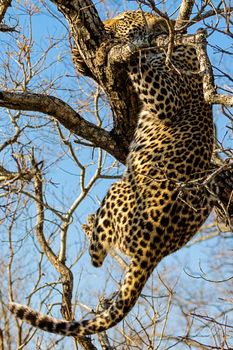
x,y
65,115
82,13
4,4
62,269
10,177
87,30
90,51
184,13
200,16
5,28
1,340
122,53
209,89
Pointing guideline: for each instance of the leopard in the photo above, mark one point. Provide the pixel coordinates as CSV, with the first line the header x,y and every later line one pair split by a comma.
x,y
140,24
159,204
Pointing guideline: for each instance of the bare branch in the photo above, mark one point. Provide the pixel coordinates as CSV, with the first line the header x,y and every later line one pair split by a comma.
x,y
60,267
4,4
217,11
209,88
5,28
65,115
24,174
185,13
64,271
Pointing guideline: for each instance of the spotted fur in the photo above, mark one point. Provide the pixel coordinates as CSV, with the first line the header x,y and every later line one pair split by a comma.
x,y
156,207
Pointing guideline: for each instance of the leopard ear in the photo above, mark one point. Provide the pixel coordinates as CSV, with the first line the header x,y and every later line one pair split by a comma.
x,y
110,26
110,23
159,25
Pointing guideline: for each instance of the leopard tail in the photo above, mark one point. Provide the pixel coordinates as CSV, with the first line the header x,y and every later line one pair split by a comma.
x,y
134,281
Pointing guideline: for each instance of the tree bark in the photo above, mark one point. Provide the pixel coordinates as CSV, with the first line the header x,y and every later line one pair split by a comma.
x,y
184,13
4,4
65,115
1,340
90,41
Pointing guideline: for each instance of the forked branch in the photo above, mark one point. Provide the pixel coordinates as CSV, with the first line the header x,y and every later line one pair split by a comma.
x,y
62,269
65,115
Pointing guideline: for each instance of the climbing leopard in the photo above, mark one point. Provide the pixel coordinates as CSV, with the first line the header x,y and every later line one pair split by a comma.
x,y
157,206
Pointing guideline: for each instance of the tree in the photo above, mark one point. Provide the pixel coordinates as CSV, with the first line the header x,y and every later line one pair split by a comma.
x,y
71,125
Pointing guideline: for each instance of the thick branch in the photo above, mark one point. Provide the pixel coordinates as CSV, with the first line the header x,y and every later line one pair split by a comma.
x,y
83,13
4,4
65,115
1,340
184,13
91,46
87,30
122,53
209,88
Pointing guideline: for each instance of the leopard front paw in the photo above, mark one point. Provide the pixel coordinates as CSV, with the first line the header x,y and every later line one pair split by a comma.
x,y
89,227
